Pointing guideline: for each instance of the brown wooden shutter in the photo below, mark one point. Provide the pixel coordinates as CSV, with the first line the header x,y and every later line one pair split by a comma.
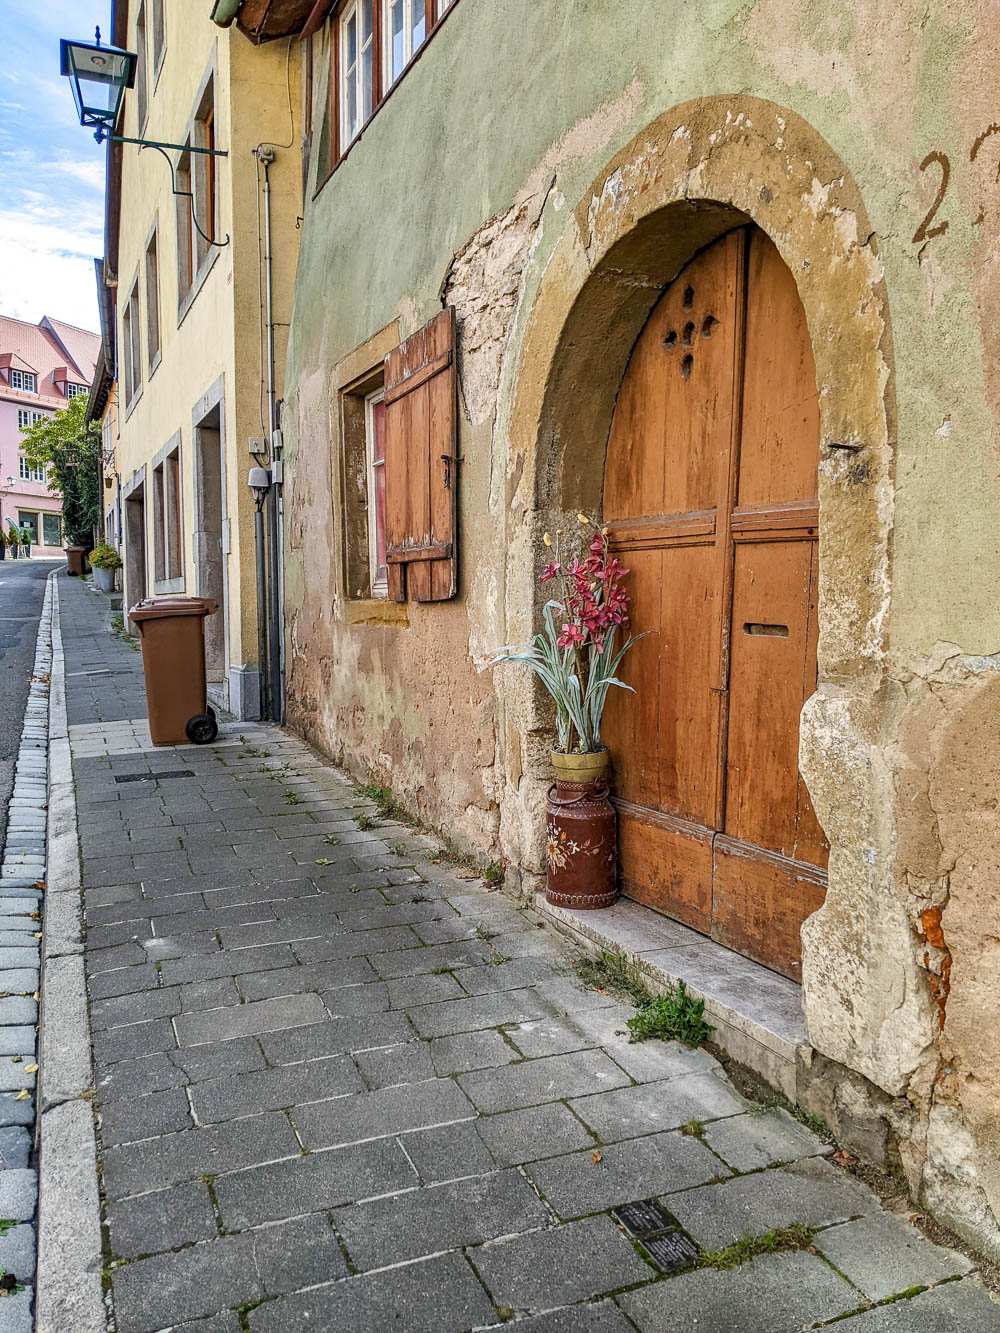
x,y
420,463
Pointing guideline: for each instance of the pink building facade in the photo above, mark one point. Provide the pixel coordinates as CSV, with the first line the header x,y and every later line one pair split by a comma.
x,y
43,366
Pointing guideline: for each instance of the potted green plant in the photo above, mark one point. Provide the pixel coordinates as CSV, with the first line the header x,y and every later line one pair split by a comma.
x,y
3,545
13,538
104,560
576,657
26,540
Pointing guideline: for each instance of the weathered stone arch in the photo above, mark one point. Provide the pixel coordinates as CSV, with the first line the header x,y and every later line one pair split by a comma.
x,y
696,172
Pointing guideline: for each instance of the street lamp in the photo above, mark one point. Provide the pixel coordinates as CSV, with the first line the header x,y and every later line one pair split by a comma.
x,y
99,76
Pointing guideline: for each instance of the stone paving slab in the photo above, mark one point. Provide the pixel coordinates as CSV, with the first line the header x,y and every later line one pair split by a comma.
x,y
338,1086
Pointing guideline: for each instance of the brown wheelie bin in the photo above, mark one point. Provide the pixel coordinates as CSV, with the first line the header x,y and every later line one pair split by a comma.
x,y
172,632
74,560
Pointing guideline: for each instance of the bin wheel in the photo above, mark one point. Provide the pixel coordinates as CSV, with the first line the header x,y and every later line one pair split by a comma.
x,y
210,710
202,729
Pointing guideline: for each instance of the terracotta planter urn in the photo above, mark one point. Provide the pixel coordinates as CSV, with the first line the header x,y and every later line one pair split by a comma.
x,y
580,833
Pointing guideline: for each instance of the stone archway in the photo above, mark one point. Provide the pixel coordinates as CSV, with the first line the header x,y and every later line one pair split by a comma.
x,y
695,173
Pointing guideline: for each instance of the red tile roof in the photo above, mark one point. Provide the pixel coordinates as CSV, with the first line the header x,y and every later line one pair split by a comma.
x,y
48,346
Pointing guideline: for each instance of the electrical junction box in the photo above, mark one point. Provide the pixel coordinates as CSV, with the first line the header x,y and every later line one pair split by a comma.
x,y
258,444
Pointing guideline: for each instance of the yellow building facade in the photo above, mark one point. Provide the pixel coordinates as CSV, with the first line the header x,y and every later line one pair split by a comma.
x,y
200,364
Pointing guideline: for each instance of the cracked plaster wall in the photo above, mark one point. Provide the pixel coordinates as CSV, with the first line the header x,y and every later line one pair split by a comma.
x,y
558,238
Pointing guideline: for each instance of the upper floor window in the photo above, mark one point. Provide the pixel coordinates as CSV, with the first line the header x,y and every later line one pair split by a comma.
x,y
24,380
29,471
131,363
405,30
159,35
74,390
152,302
26,418
372,44
141,90
196,172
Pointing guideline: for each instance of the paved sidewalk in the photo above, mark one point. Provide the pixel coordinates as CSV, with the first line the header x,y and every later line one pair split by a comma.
x,y
342,1087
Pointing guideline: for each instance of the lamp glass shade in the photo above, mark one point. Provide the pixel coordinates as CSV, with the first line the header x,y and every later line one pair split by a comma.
x,y
99,76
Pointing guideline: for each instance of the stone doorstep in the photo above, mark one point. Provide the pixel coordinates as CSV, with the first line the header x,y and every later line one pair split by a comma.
x,y
765,1034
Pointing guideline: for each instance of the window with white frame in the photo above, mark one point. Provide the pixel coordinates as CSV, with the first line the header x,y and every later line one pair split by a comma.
x,y
357,56
74,390
372,43
405,26
26,418
375,457
24,380
30,471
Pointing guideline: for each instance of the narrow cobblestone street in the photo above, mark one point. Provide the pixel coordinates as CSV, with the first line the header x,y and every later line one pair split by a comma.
x,y
342,1086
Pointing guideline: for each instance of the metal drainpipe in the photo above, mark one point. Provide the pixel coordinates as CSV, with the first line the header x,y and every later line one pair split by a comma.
x,y
265,155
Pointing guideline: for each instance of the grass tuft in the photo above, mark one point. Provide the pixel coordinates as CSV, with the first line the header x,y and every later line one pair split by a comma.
x,y
694,1129
796,1237
292,798
364,822
388,807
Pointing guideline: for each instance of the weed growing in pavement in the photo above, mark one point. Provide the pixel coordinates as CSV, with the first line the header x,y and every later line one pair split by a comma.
x,y
244,740
331,839
5,1225
325,861
440,971
265,768
364,822
420,898
388,807
796,1237
674,1016
694,1129
613,972
292,798
118,631
493,874
484,932
254,751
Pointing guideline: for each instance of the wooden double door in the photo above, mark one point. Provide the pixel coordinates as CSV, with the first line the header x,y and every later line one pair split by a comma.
x,y
710,496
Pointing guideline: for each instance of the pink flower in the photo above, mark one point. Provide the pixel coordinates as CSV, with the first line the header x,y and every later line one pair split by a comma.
x,y
572,636
549,572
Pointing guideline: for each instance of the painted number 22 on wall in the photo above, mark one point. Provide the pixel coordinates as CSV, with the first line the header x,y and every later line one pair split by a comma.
x,y
925,232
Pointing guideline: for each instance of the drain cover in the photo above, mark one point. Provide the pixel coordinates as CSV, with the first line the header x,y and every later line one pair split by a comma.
x,y
670,1251
155,777
643,1218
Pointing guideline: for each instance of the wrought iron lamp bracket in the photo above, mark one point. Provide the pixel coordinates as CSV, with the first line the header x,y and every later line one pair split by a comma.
x,y
161,148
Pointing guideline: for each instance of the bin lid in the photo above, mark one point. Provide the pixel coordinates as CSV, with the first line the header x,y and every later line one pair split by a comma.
x,y
152,607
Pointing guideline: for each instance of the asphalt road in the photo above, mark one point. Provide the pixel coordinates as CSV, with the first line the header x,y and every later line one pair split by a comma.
x,y
22,587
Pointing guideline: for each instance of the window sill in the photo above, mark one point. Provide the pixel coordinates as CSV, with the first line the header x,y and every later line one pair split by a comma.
x,y
168,585
374,611
131,404
188,299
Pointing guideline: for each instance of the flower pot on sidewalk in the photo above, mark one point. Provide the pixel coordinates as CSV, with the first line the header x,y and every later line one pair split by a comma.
x,y
104,579
581,837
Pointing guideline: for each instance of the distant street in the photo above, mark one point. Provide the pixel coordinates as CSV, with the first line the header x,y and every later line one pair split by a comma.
x,y
22,586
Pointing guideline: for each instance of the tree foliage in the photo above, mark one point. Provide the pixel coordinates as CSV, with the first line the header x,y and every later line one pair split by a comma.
x,y
71,450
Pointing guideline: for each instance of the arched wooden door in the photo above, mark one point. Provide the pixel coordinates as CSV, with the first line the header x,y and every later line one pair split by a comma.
x,y
710,497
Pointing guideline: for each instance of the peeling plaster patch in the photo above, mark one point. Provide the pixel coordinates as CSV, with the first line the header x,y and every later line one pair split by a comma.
x,y
945,428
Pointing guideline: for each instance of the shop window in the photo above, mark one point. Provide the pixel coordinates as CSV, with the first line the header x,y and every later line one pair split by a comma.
x,y
28,519
51,530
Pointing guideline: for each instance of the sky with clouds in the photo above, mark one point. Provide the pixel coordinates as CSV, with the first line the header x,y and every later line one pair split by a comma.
x,y
52,201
